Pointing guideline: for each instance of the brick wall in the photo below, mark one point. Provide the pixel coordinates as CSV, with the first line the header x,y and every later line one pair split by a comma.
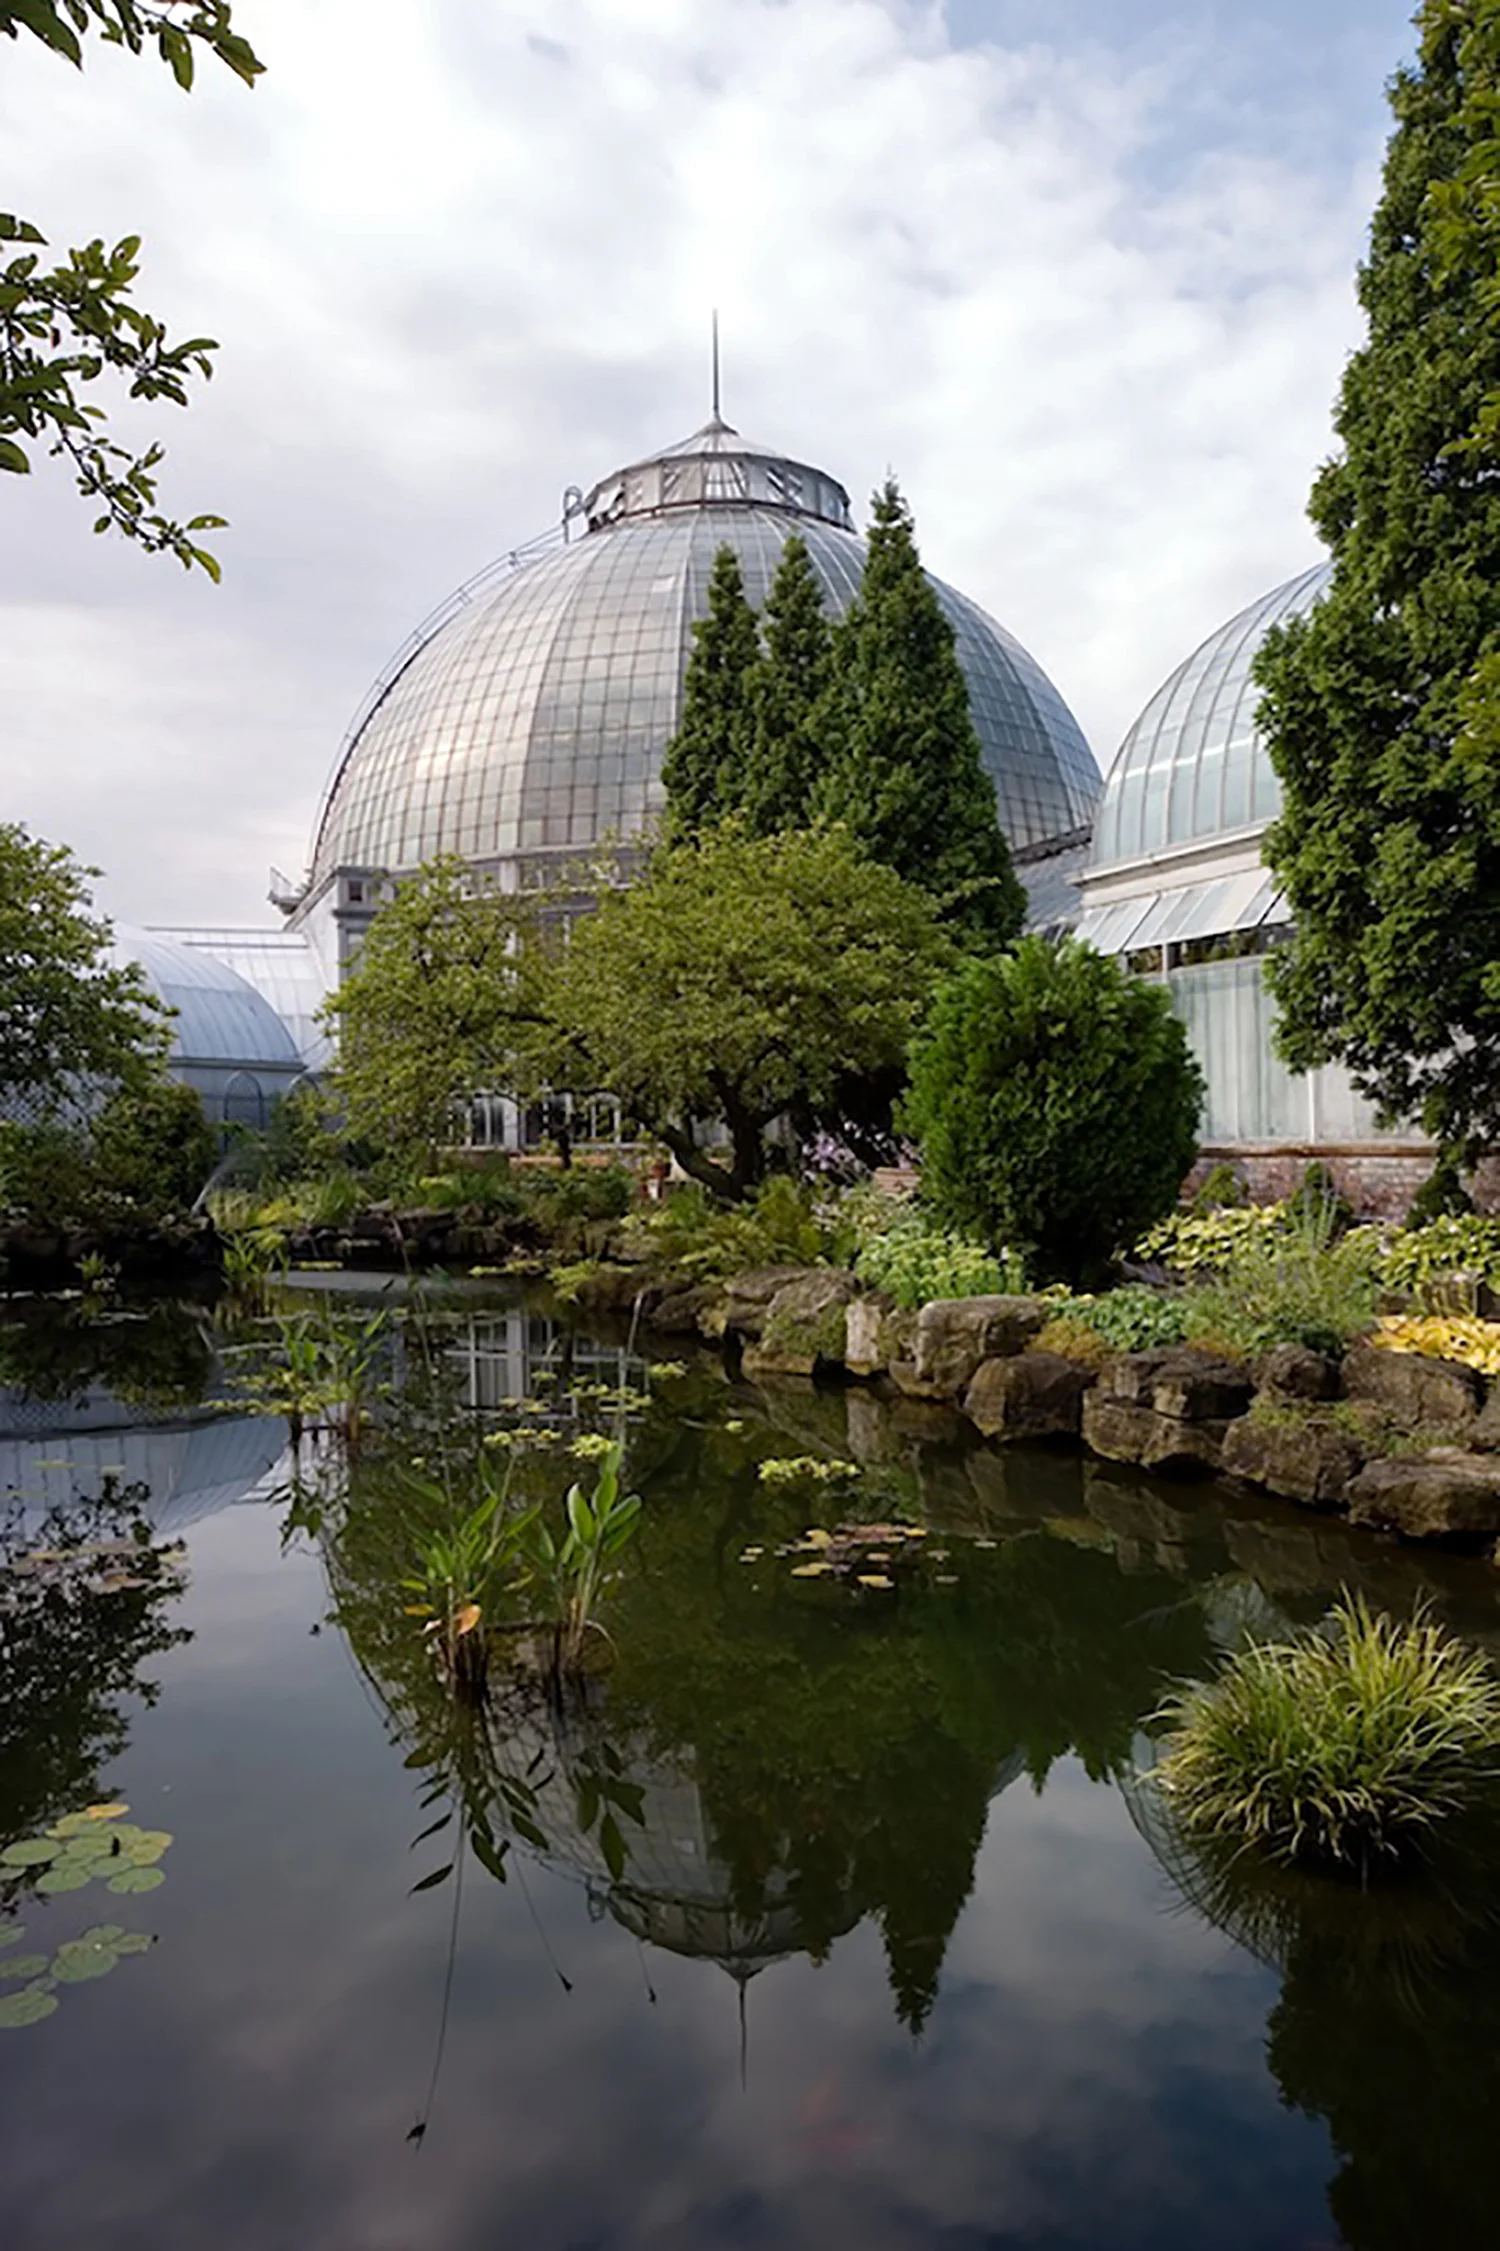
x,y
1379,1180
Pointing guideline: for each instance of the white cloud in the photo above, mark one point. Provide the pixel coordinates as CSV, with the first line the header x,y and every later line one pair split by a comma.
x,y
459,256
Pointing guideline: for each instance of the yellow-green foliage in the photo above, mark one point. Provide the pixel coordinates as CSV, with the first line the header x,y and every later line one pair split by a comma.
x,y
1348,1747
1442,1337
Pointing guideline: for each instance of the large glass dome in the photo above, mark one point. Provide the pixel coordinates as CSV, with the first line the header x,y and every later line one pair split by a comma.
x,y
533,719
1194,766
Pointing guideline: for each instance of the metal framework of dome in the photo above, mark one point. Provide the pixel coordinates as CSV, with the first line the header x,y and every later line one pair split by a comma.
x,y
1194,766
530,719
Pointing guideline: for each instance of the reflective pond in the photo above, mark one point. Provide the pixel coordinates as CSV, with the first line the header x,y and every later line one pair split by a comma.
x,y
830,1910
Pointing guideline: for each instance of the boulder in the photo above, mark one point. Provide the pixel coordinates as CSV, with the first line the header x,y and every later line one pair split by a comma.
x,y
954,1335
1484,1438
1123,1432
804,1324
1415,1389
864,1320
1028,1395
1178,1381
680,1312
747,1297
1443,1495
1301,1458
1293,1371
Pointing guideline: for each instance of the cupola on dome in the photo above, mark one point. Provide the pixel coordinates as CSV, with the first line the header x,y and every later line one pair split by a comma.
x,y
530,718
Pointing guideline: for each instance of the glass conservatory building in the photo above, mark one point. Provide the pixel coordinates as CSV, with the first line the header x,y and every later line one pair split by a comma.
x,y
522,728
1175,885
228,1040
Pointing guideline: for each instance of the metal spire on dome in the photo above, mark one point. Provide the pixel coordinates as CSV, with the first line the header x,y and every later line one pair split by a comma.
x,y
716,417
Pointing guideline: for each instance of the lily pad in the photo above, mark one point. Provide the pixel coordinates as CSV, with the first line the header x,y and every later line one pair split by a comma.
x,y
65,1877
89,1822
28,2006
811,1570
137,1879
147,1847
79,1959
24,1966
30,1852
11,1932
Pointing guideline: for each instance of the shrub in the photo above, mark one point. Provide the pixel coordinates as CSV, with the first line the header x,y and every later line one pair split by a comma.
x,y
1294,1284
491,1188
914,1262
578,1192
1442,1194
1193,1242
1444,1247
1349,1747
780,1226
1221,1189
1129,1320
1318,1199
1056,1101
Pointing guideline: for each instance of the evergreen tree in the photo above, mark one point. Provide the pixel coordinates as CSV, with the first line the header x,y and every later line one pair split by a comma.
x,y
786,691
1382,708
703,768
903,767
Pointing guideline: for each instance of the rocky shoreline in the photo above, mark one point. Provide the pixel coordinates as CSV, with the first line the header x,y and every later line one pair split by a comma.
x,y
1392,1441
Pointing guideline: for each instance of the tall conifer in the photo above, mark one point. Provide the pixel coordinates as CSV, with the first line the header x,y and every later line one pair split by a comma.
x,y
1382,707
703,769
787,689
903,768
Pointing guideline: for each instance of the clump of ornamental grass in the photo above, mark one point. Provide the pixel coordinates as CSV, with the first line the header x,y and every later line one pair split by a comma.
x,y
1354,1748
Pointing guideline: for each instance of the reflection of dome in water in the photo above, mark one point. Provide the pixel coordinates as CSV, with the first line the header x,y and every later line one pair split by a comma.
x,y
533,717
51,1458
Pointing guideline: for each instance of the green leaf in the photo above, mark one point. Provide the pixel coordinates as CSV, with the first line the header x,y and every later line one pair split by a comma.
x,y
13,458
24,1966
78,1960
429,1883
28,2006
65,1877
30,1852
11,1932
612,1845
137,1879
489,1856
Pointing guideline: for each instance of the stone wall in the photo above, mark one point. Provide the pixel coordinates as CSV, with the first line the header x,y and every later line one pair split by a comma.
x,y
1379,1179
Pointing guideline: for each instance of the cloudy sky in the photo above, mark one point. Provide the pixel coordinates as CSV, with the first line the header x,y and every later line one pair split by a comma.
x,y
1080,271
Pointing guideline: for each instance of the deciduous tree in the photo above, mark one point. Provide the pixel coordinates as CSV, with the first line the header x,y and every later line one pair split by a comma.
x,y
69,1016
63,327
744,977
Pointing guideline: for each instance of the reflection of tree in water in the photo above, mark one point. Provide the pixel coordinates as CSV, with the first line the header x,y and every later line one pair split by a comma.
x,y
156,1356
82,1602
1385,2026
799,1761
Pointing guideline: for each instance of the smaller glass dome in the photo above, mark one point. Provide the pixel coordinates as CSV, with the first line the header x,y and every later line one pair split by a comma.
x,y
1194,764
220,1018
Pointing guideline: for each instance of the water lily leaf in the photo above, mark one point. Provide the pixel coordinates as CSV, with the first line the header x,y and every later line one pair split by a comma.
x,y
874,1579
810,1570
30,1852
10,1932
24,1966
466,1618
134,1942
137,1879
64,1877
816,1537
79,1959
148,1846
107,1812
28,2006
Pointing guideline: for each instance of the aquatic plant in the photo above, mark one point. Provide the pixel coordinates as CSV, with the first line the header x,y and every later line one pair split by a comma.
x,y
93,1845
1351,1747
573,1571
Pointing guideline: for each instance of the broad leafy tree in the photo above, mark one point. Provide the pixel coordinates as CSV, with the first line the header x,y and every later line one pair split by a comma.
x,y
64,327
442,1002
903,767
703,770
742,978
1056,1101
1382,707
69,1016
786,693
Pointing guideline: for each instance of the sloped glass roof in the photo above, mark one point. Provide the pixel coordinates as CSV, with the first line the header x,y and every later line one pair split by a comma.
x,y
536,717
1194,764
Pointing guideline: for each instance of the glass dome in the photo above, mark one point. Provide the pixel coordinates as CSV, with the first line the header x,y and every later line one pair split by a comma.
x,y
220,1018
1193,765
534,719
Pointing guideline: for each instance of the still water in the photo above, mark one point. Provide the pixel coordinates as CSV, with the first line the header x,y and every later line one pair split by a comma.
x,y
830,1915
